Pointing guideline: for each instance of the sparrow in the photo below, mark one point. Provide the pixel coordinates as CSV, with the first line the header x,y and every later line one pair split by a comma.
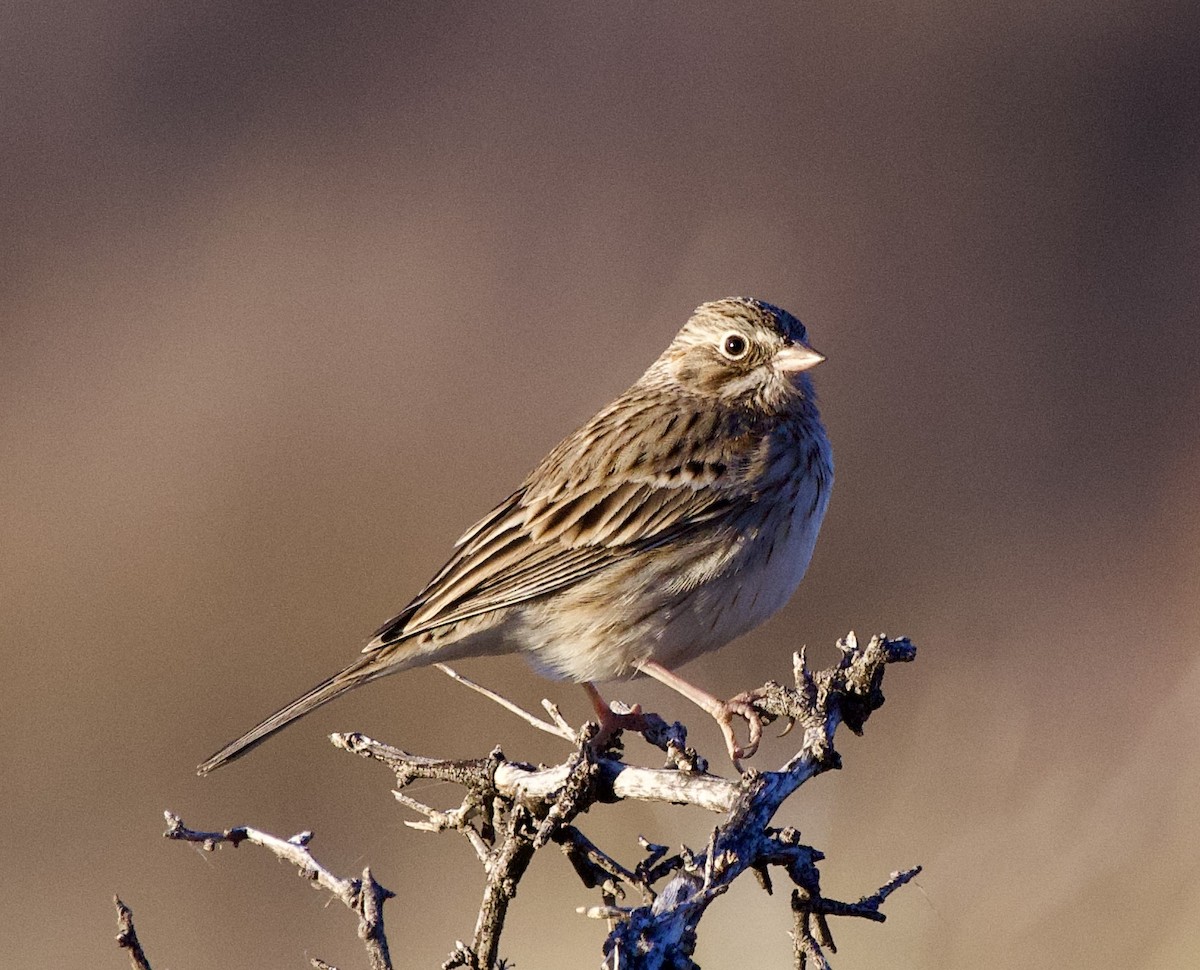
x,y
678,518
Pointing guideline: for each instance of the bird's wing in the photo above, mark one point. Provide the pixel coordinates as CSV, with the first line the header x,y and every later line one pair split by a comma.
x,y
576,515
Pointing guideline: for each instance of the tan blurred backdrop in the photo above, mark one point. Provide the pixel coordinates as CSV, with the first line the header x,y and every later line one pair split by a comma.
x,y
292,292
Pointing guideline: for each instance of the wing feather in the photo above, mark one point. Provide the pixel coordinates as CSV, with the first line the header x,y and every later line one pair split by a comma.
x,y
573,517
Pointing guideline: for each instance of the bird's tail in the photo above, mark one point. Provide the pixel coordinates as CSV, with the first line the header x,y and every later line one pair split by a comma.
x,y
364,669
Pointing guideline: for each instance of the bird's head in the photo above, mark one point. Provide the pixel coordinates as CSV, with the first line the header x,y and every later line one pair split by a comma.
x,y
742,351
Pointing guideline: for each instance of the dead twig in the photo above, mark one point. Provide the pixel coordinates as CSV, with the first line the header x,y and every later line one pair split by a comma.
x,y
127,938
363,896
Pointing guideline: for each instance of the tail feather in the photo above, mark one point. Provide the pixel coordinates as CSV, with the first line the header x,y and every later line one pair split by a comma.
x,y
358,673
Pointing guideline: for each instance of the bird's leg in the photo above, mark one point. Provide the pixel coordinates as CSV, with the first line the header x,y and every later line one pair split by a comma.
x,y
612,721
723,712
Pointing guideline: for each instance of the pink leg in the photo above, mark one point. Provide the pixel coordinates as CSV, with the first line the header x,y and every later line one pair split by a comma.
x,y
723,712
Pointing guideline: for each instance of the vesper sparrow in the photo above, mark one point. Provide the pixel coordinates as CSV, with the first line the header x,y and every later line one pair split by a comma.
x,y
679,517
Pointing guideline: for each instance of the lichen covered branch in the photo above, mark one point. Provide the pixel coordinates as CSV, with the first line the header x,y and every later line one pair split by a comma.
x,y
663,935
509,810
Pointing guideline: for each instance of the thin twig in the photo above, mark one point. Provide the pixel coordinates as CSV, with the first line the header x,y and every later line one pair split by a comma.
x,y
364,896
560,729
596,867
127,937
556,716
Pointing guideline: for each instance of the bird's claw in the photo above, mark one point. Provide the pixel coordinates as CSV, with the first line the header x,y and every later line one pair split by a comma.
x,y
740,707
611,722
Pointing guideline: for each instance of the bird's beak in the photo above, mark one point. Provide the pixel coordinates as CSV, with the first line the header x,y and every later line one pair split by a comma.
x,y
795,358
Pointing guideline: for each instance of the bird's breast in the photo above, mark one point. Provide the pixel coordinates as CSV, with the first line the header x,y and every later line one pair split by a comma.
x,y
777,558
675,602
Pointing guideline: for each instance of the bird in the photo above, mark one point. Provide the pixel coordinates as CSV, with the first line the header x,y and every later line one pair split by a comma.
x,y
682,515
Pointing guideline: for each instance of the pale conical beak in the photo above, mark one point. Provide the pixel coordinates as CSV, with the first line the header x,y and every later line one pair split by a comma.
x,y
796,358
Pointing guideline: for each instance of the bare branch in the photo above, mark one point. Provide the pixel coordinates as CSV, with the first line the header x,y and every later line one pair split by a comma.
x,y
363,896
511,779
663,935
510,810
559,728
127,936
596,868
556,716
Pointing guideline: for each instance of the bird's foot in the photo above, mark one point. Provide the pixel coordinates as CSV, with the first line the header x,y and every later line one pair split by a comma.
x,y
613,721
740,706
723,712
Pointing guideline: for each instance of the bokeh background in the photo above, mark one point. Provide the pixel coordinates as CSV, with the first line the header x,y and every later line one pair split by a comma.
x,y
293,292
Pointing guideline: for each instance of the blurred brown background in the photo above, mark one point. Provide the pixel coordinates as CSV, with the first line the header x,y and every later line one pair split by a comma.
x,y
293,292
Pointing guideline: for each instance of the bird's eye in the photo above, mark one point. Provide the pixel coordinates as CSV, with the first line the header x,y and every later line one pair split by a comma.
x,y
734,346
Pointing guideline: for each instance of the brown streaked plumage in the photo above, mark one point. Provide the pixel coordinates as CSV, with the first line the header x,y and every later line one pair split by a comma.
x,y
679,517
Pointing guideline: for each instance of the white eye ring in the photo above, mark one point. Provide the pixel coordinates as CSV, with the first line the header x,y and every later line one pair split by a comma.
x,y
734,346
